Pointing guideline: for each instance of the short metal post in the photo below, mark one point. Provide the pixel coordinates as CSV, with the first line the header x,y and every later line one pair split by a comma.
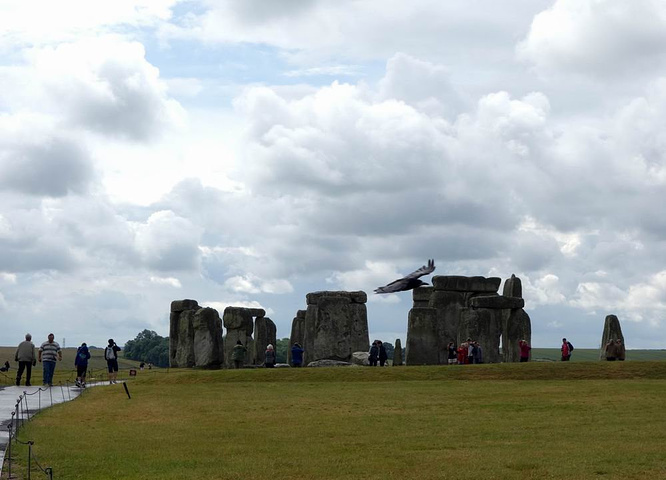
x,y
29,457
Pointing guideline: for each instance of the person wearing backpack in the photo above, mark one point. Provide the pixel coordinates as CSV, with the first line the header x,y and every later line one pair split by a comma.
x,y
570,346
111,357
81,364
269,361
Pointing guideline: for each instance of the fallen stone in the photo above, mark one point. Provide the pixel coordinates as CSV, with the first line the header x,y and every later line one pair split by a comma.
x,y
330,363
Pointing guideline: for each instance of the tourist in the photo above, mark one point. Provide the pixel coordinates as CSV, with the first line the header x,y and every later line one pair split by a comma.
x,y
565,350
296,354
25,356
142,365
619,350
5,367
462,353
453,354
477,353
269,360
48,353
470,351
524,350
373,354
238,354
610,350
571,347
111,356
383,356
81,364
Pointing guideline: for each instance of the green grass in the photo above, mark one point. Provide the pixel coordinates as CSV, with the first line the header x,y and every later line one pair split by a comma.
x,y
508,421
592,354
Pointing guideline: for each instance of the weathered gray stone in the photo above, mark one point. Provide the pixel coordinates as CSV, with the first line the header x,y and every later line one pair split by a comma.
x,y
257,312
173,337
282,365
184,355
482,325
466,284
181,305
265,333
355,297
237,317
329,363
239,325
309,333
497,302
449,306
513,287
422,345
421,296
612,330
360,358
208,342
516,326
397,353
297,332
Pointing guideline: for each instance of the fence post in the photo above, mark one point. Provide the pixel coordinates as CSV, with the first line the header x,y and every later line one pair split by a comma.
x,y
9,452
29,457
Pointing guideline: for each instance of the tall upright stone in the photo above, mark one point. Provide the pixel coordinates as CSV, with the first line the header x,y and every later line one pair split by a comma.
x,y
612,331
482,325
265,333
516,326
336,325
207,341
297,332
397,353
239,325
181,333
513,287
422,344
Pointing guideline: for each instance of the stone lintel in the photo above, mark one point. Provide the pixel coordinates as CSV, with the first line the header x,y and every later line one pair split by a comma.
x,y
466,284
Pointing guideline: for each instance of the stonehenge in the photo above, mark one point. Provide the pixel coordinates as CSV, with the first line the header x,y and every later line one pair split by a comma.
x,y
334,325
195,336
455,308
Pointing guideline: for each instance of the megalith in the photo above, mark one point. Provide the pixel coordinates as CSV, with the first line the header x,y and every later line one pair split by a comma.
x,y
482,325
181,333
422,344
208,342
335,325
516,326
239,325
612,331
297,332
397,353
265,333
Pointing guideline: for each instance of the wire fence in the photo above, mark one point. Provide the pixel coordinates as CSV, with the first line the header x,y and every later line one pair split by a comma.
x,y
30,404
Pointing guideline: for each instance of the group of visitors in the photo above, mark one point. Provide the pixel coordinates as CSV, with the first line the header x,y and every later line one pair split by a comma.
x,y
270,355
467,353
377,353
615,350
50,352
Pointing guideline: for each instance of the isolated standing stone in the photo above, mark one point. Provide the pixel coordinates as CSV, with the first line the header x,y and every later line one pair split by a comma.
x,y
612,330
397,353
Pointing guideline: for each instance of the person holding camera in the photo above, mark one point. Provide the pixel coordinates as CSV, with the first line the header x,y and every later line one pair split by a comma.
x,y
111,356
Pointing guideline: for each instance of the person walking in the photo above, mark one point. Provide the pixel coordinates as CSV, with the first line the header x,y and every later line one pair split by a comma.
x,y
238,354
48,353
297,354
25,356
524,350
383,356
81,364
566,355
570,345
373,354
269,360
111,356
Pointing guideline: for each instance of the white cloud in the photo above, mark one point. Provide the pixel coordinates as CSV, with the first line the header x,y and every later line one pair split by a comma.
x,y
170,281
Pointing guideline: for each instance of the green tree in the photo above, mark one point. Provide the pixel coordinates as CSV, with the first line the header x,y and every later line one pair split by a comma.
x,y
281,349
148,347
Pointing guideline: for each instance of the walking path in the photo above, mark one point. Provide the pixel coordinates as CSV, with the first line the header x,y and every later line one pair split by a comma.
x,y
34,401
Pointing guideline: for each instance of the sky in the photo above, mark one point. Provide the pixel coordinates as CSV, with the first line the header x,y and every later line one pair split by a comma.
x,y
247,153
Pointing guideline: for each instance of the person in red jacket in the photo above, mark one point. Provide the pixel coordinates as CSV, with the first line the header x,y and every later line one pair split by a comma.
x,y
524,351
565,350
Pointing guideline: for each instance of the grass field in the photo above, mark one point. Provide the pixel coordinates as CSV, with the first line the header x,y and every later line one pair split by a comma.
x,y
507,421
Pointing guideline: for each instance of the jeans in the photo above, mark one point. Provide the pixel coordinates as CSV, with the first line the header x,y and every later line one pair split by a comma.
x,y
49,368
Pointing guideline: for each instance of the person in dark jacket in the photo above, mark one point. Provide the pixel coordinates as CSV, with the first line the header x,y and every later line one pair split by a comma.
x,y
269,356
297,354
373,354
81,364
383,356
111,357
238,354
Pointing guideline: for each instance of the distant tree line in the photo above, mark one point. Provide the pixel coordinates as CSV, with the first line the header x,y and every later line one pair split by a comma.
x,y
148,347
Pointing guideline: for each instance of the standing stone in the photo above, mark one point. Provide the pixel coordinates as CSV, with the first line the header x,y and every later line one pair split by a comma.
x,y
513,287
397,353
239,325
422,342
449,306
181,334
264,334
421,296
516,326
482,325
612,330
207,342
297,332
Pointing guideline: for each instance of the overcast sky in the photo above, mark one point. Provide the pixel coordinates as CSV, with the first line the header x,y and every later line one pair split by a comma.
x,y
247,153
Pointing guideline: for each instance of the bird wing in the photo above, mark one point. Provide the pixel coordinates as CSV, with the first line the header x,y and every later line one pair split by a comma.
x,y
424,270
400,284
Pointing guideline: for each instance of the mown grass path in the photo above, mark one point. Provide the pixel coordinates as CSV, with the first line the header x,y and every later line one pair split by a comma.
x,y
513,421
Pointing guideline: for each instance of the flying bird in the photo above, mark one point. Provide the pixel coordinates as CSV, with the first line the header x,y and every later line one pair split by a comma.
x,y
408,282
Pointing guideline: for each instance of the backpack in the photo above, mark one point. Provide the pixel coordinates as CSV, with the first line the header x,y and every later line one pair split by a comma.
x,y
109,353
571,347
